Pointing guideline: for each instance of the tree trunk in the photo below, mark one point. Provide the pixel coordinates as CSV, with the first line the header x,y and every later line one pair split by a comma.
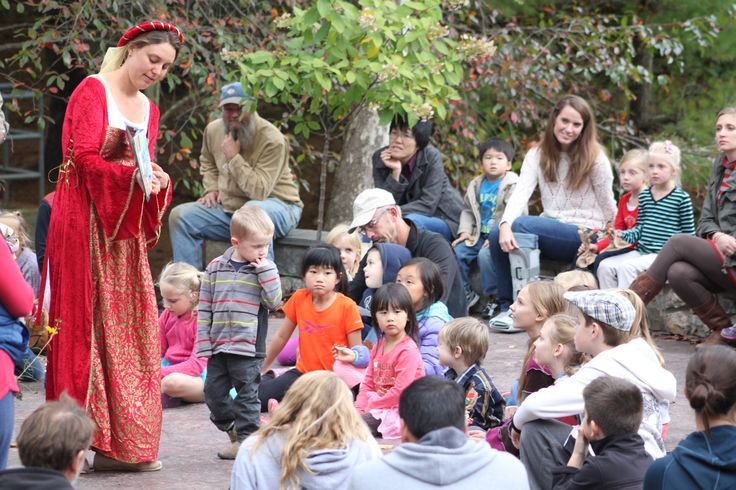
x,y
325,160
354,174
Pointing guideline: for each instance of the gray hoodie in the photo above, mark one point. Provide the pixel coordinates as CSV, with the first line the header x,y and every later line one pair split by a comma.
x,y
332,468
443,458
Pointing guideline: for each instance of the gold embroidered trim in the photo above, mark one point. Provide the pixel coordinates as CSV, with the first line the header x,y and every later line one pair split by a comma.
x,y
127,205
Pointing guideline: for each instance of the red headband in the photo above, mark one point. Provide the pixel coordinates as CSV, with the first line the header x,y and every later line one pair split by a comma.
x,y
154,25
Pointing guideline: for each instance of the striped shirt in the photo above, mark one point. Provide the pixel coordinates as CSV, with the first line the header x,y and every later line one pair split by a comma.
x,y
660,219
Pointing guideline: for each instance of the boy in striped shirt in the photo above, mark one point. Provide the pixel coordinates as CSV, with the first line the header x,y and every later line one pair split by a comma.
x,y
664,210
238,290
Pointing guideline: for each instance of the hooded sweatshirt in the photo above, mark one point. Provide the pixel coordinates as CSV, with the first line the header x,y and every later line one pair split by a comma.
x,y
633,361
443,458
393,257
331,468
697,462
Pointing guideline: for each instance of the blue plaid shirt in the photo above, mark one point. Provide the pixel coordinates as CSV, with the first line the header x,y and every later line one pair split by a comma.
x,y
483,403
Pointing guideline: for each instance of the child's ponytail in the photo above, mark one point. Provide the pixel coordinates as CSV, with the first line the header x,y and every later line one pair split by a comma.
x,y
185,278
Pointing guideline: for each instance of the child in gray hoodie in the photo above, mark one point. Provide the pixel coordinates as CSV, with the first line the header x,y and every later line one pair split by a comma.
x,y
315,426
435,451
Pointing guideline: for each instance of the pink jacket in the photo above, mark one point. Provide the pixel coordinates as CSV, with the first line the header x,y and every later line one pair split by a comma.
x,y
177,344
388,375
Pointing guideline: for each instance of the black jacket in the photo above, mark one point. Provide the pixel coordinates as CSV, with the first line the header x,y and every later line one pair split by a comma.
x,y
428,192
33,478
433,246
620,463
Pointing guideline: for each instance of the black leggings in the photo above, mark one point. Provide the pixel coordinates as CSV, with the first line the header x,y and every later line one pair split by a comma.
x,y
693,269
276,387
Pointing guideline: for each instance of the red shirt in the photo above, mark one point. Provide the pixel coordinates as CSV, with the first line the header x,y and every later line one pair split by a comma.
x,y
625,219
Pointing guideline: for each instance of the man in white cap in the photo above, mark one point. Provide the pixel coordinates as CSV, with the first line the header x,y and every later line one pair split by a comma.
x,y
244,161
377,216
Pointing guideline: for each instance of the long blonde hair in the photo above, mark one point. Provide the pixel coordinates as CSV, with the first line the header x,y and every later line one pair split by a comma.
x,y
583,152
316,413
547,298
340,231
640,327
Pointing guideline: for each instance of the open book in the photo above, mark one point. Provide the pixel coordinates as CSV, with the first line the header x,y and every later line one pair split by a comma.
x,y
139,144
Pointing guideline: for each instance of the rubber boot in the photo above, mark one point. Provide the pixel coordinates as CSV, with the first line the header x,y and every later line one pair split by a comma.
x,y
715,318
646,287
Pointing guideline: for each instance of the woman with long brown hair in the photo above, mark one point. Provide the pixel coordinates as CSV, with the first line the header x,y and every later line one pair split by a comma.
x,y
575,181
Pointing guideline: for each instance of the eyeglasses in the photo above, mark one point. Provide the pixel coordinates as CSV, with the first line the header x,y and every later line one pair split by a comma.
x,y
404,135
371,225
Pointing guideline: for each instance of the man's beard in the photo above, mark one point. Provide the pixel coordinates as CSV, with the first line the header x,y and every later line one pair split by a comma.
x,y
243,131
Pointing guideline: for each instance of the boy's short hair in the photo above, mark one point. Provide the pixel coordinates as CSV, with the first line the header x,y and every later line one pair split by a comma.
x,y
615,404
52,436
431,403
250,220
470,335
498,145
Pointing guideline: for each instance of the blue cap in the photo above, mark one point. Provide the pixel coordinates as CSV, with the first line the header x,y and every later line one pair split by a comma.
x,y
232,93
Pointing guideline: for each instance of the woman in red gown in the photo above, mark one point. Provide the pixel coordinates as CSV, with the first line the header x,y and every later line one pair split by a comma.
x,y
107,352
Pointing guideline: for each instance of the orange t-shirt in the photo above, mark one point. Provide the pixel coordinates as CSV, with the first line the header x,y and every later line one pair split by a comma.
x,y
320,330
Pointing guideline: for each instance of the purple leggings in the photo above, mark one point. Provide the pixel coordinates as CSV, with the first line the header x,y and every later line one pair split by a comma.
x,y
693,269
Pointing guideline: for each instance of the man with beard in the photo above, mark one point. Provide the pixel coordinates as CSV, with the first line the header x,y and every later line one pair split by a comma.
x,y
244,161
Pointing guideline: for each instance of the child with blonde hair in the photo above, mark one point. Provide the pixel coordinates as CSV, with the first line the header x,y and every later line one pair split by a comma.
x,y
350,247
555,346
314,440
664,210
576,279
463,344
20,246
182,372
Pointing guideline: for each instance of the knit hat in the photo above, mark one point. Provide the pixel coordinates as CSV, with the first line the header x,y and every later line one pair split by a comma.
x,y
365,206
607,307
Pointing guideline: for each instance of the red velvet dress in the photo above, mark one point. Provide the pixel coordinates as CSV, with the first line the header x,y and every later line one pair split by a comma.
x,y
107,351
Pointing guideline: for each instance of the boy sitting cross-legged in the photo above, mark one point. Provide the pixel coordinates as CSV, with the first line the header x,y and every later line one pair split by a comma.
x,y
463,344
613,411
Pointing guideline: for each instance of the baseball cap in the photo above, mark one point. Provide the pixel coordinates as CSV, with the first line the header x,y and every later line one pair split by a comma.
x,y
365,206
232,93
607,307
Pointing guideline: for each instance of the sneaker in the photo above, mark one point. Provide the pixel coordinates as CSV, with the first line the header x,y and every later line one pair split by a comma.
x,y
490,310
471,297
729,334
230,452
503,322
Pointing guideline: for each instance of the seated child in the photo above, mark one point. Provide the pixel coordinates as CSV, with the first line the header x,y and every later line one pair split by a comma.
x,y
555,350
463,346
664,210
485,202
613,412
382,265
705,458
423,280
238,289
314,440
434,451
576,280
325,317
395,360
182,372
24,256
350,247
605,334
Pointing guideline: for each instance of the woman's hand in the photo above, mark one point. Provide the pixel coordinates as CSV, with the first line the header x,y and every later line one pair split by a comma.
x,y
393,164
726,243
461,238
506,238
592,248
163,178
344,354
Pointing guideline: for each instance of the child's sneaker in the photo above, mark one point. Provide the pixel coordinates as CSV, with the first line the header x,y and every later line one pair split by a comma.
x,y
490,309
471,297
230,452
729,334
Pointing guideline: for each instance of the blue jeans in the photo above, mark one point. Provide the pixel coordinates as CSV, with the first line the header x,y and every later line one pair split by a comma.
x,y
465,257
557,241
191,223
7,414
431,223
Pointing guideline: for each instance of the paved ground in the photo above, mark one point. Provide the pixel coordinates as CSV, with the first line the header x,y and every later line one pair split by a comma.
x,y
189,442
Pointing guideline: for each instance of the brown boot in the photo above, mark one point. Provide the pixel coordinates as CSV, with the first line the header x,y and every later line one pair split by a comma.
x,y
230,451
646,287
715,318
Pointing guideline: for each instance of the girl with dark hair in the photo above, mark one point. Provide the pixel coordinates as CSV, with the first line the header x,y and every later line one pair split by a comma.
x,y
575,181
423,280
395,360
411,169
705,458
698,267
107,353
325,318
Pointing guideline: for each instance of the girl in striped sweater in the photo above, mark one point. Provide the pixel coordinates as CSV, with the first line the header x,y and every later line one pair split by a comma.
x,y
664,210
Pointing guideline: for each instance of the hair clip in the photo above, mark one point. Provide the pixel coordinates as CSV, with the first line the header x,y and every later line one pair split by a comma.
x,y
668,147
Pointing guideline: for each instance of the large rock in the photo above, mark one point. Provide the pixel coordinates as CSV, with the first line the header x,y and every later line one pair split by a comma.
x,y
668,313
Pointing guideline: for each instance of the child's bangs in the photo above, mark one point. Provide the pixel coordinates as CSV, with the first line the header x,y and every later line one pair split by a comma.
x,y
321,257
